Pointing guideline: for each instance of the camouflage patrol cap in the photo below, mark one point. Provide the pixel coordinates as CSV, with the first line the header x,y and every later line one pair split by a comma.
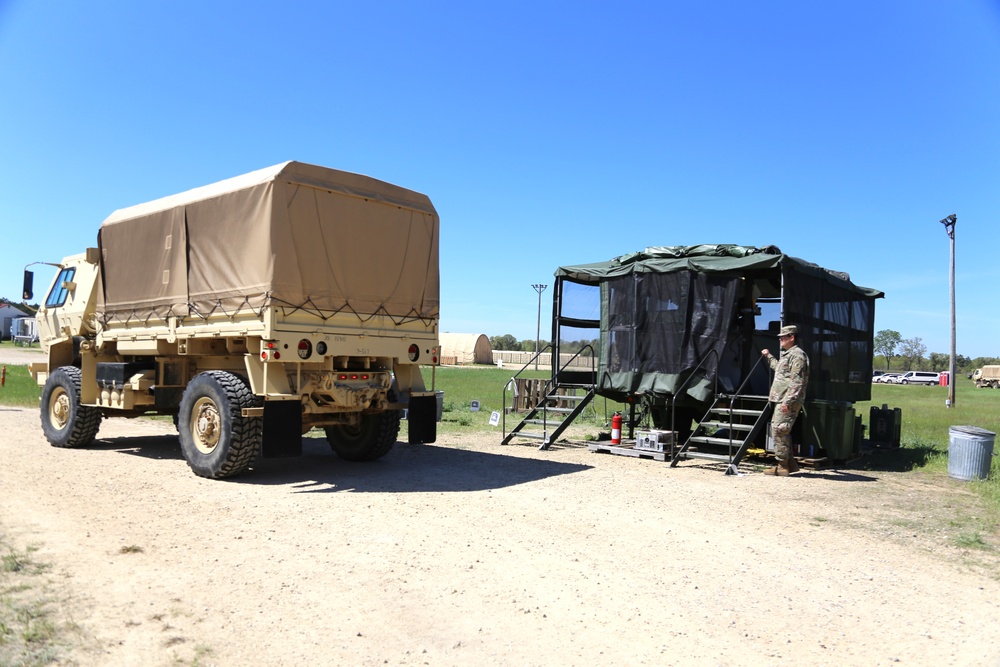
x,y
788,330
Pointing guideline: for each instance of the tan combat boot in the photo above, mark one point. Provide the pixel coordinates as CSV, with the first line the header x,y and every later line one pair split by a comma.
x,y
793,465
770,471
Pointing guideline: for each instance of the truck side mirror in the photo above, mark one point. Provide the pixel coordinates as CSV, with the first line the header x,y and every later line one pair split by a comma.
x,y
27,291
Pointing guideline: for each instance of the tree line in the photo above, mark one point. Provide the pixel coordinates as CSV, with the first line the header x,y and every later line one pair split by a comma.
x,y
911,355
508,342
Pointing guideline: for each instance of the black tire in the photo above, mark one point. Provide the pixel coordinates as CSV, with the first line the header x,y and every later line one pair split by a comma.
x,y
371,439
216,439
65,422
904,382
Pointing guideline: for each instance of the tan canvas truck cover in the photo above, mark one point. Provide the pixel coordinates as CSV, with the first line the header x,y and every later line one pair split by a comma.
x,y
293,236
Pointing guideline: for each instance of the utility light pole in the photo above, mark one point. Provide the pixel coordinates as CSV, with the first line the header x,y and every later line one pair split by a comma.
x,y
538,327
949,226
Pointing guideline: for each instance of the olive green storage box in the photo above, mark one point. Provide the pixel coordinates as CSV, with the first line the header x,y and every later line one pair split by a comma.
x,y
830,427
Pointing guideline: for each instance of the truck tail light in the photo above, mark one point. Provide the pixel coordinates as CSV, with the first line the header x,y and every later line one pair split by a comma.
x,y
414,352
305,349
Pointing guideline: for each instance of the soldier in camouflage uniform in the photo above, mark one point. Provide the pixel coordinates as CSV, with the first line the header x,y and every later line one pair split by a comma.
x,y
788,391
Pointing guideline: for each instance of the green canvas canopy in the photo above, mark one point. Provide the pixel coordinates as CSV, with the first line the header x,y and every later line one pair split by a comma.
x,y
668,313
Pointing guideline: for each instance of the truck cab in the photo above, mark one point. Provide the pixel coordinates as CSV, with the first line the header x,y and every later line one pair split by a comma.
x,y
67,314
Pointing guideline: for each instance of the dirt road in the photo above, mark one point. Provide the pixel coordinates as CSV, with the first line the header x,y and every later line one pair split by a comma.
x,y
466,553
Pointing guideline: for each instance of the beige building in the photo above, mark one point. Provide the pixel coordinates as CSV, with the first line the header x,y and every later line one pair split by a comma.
x,y
465,348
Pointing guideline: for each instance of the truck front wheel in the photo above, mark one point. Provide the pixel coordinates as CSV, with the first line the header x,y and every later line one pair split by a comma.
x,y
371,439
216,439
65,422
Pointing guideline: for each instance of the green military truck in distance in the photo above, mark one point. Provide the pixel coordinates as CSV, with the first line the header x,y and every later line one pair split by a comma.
x,y
253,310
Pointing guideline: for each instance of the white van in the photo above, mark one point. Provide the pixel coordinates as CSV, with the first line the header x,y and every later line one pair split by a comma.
x,y
919,377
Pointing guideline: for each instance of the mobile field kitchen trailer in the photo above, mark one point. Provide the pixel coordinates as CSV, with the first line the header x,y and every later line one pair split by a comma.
x,y
680,329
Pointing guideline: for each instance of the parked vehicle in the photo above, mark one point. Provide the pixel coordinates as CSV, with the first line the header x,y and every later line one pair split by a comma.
x,y
919,377
987,376
888,378
252,310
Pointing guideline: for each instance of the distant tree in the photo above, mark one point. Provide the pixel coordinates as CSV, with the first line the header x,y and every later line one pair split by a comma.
x,y
528,345
963,365
504,342
940,361
912,350
886,342
574,346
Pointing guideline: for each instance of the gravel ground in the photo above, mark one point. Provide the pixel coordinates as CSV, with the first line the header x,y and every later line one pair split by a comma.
x,y
465,552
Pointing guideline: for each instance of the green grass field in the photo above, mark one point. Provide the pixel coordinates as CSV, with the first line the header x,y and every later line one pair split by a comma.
x,y
19,388
926,421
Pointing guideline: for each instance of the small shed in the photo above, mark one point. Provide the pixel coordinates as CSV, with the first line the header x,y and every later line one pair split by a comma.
x,y
8,314
24,331
466,348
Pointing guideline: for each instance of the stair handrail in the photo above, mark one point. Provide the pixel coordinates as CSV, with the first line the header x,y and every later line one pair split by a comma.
x,y
512,382
737,395
677,392
593,372
549,386
739,390
593,357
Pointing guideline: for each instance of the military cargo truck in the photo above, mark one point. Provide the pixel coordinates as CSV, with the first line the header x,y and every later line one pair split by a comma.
x,y
252,310
987,376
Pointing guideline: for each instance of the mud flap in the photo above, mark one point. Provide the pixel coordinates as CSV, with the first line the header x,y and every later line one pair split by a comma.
x,y
282,429
421,419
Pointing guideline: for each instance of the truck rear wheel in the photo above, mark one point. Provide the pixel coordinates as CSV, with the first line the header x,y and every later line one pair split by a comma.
x,y
371,439
216,439
65,422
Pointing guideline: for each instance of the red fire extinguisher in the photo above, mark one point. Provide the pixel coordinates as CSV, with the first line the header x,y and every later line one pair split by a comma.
x,y
616,428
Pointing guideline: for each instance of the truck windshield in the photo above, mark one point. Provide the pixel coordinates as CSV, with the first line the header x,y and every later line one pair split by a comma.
x,y
59,293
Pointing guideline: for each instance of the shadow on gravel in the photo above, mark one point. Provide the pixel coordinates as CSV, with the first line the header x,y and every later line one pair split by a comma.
x,y
406,468
748,469
835,476
160,447
900,459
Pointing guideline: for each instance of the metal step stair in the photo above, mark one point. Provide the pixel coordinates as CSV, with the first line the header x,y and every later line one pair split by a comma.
x,y
727,430
545,423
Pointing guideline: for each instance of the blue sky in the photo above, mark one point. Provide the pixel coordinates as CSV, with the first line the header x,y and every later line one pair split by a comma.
x,y
546,134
